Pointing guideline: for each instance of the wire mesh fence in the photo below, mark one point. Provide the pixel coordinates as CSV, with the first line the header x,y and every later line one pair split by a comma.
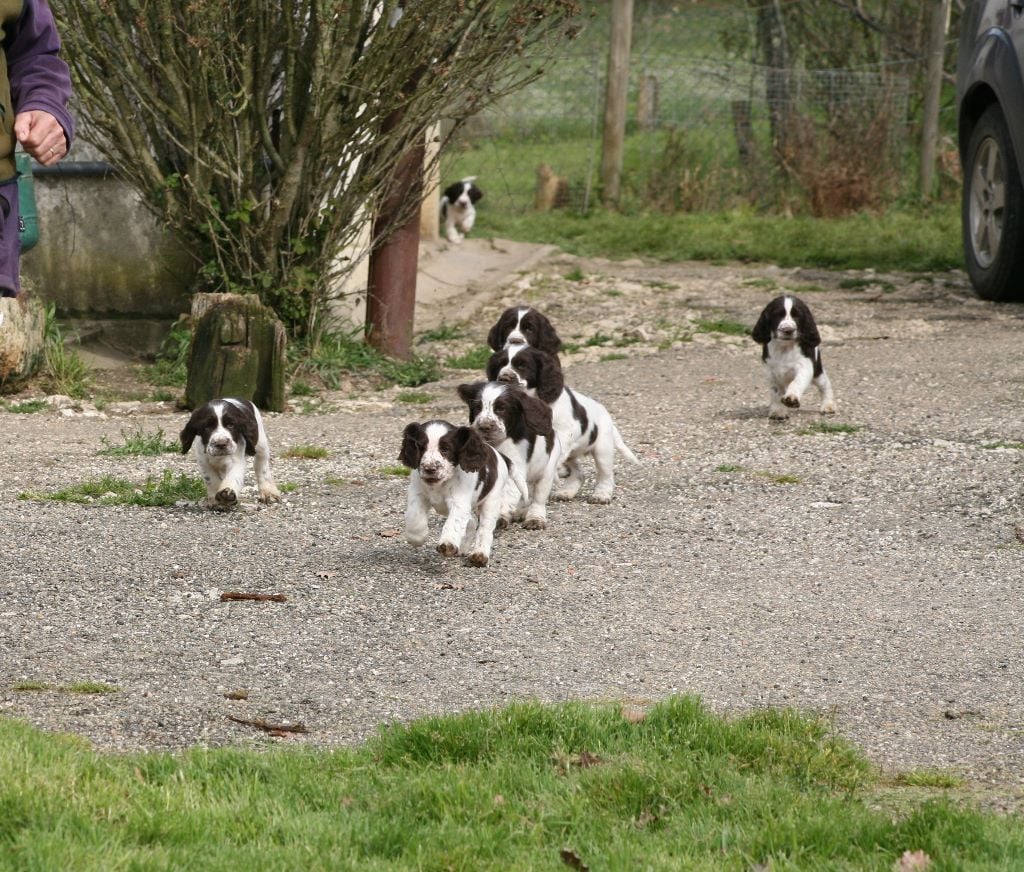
x,y
710,124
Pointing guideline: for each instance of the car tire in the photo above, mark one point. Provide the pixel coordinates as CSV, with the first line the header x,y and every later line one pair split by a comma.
x,y
992,211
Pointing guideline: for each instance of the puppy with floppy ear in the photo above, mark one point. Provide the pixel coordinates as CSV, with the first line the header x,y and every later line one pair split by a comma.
x,y
458,208
462,478
524,325
583,425
519,426
223,433
789,340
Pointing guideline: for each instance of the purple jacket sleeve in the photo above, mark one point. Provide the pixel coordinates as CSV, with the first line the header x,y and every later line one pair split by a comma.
x,y
39,77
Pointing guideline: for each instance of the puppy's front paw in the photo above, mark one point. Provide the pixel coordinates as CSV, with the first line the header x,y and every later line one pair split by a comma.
x,y
447,549
600,499
791,400
828,408
534,524
226,498
478,558
778,413
269,494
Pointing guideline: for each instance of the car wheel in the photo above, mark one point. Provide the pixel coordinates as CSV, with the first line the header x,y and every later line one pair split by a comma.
x,y
992,211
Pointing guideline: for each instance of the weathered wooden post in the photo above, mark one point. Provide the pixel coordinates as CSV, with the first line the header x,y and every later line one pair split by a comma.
x,y
22,338
238,350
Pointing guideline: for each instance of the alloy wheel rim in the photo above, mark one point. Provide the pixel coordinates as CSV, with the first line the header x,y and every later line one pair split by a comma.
x,y
987,202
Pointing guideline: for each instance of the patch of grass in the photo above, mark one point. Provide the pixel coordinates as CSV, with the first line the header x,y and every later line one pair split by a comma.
x,y
521,787
171,366
764,284
306,452
993,446
810,289
337,354
414,398
827,427
729,467
444,333
300,388
925,239
615,355
402,471
159,396
27,407
110,491
81,687
860,283
287,487
929,778
575,275
475,359
64,371
722,325
780,478
598,339
136,442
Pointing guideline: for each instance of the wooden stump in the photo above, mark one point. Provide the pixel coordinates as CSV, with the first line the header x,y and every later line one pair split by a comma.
x,y
238,350
22,338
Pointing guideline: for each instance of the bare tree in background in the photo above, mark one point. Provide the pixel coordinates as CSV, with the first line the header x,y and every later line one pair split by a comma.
x,y
256,130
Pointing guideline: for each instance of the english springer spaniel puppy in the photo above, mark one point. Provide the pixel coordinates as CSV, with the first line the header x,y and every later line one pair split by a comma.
x,y
519,426
458,208
223,432
462,478
524,325
583,425
792,360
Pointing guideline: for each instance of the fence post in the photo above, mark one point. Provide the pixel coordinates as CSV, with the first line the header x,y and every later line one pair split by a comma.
x,y
932,92
613,143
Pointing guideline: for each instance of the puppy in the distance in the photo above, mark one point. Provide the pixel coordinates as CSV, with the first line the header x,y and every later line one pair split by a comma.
x,y
458,208
790,342
456,473
224,432
519,426
524,325
583,425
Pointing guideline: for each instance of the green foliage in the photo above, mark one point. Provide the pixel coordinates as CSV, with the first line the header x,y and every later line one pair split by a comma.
x,y
337,354
722,325
729,467
137,442
171,366
110,491
828,427
520,787
64,371
306,452
475,359
444,333
400,471
27,407
414,398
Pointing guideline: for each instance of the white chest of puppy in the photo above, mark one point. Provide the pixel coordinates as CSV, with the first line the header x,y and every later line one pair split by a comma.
x,y
459,476
583,425
791,356
223,433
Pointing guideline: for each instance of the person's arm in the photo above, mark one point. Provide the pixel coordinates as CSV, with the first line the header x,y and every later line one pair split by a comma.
x,y
40,84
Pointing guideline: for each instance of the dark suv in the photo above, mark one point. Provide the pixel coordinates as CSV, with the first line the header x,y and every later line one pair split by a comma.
x,y
990,119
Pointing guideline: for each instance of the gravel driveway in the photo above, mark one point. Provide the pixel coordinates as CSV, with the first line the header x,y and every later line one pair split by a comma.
x,y
873,576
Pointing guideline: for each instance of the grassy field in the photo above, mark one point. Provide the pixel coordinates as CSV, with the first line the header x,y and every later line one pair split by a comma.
x,y
524,787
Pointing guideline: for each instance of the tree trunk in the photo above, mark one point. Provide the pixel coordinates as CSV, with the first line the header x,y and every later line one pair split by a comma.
x,y
613,144
933,90
22,332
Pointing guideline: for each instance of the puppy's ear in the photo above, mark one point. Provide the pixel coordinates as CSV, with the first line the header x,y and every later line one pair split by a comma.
x,y
496,336
414,441
762,332
470,449
250,430
536,413
495,363
547,338
188,434
807,329
550,381
475,194
470,392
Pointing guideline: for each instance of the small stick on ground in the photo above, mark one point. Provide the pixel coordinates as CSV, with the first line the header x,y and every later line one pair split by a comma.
x,y
259,597
269,727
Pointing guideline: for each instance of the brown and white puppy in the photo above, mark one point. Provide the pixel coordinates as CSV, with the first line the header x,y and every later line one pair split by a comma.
x,y
583,425
519,426
789,341
223,432
458,475
458,208
524,325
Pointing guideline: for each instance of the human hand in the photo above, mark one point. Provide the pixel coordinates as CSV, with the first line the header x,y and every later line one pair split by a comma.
x,y
41,135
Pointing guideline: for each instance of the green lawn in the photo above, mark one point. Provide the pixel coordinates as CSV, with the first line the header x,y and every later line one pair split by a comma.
x,y
524,787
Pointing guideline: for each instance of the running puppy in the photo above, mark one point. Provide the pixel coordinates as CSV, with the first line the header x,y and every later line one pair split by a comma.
x,y
462,478
792,360
225,431
458,208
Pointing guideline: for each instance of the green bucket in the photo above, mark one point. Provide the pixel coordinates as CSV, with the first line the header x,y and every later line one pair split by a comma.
x,y
28,223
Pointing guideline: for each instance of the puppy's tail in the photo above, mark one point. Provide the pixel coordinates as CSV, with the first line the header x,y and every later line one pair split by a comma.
x,y
621,447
